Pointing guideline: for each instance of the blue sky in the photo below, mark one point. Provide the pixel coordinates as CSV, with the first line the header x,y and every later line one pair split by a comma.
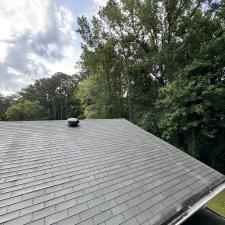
x,y
37,39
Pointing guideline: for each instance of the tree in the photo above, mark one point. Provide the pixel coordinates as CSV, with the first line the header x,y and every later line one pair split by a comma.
x,y
143,37
2,107
102,69
26,110
193,105
90,98
5,103
55,94
161,63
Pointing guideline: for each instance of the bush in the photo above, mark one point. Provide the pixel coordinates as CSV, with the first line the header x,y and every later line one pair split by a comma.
x,y
26,110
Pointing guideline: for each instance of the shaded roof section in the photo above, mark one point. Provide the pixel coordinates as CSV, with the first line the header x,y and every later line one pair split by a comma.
x,y
106,172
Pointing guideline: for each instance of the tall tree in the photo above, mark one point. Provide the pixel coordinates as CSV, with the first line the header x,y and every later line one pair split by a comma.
x,y
102,68
55,94
193,105
171,70
146,36
5,103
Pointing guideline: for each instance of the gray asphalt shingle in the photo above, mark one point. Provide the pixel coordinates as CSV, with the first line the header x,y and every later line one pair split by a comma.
x,y
101,172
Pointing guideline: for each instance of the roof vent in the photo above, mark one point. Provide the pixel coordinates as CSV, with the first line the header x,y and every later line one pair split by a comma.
x,y
72,122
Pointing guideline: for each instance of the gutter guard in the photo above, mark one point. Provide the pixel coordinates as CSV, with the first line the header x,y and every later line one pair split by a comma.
x,y
199,204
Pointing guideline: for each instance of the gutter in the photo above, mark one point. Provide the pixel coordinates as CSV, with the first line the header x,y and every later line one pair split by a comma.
x,y
199,204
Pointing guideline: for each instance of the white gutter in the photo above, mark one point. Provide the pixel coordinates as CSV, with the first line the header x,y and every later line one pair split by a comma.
x,y
194,208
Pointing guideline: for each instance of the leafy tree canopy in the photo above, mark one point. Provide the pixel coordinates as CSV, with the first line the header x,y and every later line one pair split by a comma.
x,y
26,110
161,65
55,94
5,103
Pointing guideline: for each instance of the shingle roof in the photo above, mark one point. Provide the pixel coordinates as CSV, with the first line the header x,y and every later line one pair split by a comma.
x,y
106,172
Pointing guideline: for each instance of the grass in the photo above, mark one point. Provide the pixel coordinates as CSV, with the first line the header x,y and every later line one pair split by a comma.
x,y
217,204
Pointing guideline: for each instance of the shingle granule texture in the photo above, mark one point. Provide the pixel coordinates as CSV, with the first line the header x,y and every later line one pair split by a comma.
x,y
106,172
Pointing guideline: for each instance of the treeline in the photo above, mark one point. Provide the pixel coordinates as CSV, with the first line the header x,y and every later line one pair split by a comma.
x,y
48,98
161,65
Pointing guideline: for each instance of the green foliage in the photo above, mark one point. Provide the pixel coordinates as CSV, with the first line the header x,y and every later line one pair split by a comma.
x,y
55,94
194,112
161,65
26,110
193,105
90,98
5,103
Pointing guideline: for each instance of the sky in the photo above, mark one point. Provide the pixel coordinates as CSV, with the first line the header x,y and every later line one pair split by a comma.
x,y
38,38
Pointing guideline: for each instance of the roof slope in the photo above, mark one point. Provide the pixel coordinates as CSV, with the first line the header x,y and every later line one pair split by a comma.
x,y
106,172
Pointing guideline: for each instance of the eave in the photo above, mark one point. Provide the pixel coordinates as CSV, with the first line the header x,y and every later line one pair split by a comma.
x,y
198,205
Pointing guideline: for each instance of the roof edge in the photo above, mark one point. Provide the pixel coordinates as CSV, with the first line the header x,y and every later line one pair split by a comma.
x,y
196,206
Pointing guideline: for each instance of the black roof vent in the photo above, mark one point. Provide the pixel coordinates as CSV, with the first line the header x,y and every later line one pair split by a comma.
x,y
72,122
